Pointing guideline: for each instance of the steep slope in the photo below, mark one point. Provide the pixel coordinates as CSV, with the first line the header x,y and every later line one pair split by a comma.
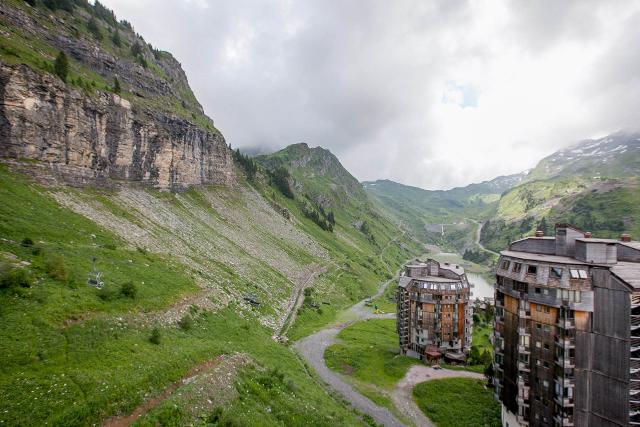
x,y
438,216
120,110
119,300
593,184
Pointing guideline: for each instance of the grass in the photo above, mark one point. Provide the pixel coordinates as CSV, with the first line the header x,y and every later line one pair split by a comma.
x,y
70,357
458,402
368,351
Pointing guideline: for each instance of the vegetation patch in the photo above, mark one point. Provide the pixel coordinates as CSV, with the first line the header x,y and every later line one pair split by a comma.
x,y
458,402
369,351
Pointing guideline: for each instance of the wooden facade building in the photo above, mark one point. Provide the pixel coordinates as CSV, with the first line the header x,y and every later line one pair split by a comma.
x,y
567,331
434,315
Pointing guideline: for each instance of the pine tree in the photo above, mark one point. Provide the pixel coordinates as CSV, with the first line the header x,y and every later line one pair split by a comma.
x,y
61,66
92,26
116,85
116,38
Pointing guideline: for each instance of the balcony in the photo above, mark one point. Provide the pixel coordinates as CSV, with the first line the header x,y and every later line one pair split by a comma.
x,y
524,349
566,323
523,367
564,342
524,314
565,402
566,362
565,421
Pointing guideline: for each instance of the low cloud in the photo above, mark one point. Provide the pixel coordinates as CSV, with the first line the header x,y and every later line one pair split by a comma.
x,y
432,94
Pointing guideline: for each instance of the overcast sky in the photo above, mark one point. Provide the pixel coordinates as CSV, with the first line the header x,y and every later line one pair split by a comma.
x,y
428,93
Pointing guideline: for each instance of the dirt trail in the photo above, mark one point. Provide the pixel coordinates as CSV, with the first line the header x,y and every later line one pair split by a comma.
x,y
288,317
146,406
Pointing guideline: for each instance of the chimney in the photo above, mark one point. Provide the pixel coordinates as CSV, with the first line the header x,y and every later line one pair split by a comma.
x,y
625,237
539,233
587,234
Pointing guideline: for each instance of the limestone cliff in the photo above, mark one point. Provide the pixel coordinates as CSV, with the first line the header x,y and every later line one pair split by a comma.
x,y
154,133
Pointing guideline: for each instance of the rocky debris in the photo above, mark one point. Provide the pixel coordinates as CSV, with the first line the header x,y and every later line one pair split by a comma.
x,y
236,229
102,140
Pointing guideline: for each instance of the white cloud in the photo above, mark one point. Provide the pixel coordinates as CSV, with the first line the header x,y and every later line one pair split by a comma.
x,y
434,94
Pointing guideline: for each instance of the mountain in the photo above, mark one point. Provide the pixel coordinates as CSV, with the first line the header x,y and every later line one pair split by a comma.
x,y
147,269
120,110
592,184
613,156
445,217
317,172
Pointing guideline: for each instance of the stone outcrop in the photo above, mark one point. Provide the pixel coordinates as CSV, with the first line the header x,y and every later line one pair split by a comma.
x,y
102,139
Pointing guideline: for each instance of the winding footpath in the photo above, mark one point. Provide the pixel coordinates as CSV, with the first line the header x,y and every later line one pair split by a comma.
x,y
312,349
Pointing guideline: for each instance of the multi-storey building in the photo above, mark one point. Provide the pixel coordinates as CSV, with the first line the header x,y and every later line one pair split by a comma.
x,y
567,332
434,313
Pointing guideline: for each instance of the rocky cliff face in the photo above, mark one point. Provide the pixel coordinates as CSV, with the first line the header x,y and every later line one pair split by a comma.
x,y
96,140
156,133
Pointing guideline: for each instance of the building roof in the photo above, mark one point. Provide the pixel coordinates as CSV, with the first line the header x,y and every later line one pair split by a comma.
x,y
633,244
554,259
629,272
452,267
596,240
534,238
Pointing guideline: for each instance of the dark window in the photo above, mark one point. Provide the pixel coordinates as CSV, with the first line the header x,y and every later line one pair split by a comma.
x,y
506,264
538,290
556,272
517,267
532,269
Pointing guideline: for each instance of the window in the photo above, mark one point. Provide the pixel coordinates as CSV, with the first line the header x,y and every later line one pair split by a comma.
x,y
538,344
571,296
545,291
547,309
538,308
538,291
578,274
547,328
532,269
538,326
506,264
556,272
545,383
546,346
517,267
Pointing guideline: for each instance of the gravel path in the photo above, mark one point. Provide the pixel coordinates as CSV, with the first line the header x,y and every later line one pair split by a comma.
x,y
402,396
312,349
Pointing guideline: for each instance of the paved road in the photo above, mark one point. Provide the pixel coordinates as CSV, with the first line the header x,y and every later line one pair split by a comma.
x,y
312,349
480,224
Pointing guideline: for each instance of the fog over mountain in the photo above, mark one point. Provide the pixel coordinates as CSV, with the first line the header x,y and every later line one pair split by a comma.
x,y
430,94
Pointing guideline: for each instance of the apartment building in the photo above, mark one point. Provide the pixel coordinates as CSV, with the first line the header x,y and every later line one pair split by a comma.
x,y
567,331
434,315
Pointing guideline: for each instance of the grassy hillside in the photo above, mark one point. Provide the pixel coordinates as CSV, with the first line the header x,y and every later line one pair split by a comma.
x,y
593,185
176,270
445,218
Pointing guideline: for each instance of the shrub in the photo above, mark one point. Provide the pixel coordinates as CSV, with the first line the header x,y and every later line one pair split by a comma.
x,y
55,267
15,278
129,289
107,293
54,5
27,242
156,336
61,66
93,28
115,38
186,323
116,85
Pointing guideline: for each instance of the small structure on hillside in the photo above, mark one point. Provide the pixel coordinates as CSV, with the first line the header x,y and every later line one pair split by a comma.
x,y
434,313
